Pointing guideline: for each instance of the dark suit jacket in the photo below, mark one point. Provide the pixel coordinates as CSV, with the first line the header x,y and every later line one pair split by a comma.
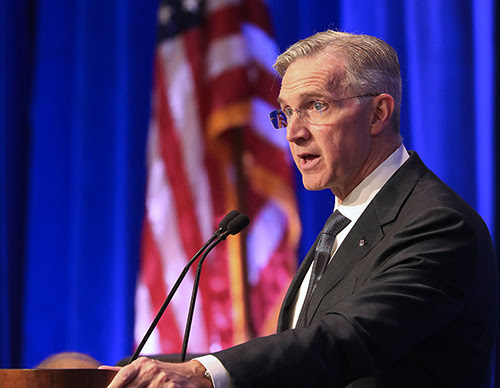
x,y
412,307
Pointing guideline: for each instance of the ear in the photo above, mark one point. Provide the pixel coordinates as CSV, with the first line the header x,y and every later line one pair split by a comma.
x,y
383,107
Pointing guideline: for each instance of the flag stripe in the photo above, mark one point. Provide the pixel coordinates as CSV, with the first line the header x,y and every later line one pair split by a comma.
x,y
256,13
223,22
152,275
261,47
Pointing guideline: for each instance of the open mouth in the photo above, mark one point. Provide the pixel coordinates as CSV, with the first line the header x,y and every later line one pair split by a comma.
x,y
308,159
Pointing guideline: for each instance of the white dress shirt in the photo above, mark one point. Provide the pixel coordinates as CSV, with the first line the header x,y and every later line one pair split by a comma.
x,y
352,207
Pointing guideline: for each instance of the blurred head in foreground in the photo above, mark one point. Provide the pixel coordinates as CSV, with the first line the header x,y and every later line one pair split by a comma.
x,y
69,360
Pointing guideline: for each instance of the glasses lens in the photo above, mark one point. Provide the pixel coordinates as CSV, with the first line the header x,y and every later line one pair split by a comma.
x,y
278,119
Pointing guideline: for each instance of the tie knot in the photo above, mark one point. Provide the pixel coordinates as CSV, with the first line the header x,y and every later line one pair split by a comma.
x,y
335,223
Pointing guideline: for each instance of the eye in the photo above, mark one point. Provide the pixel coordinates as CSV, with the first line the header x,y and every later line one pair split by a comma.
x,y
288,111
319,106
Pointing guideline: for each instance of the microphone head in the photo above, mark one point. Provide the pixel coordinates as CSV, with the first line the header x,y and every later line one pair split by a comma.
x,y
239,223
229,217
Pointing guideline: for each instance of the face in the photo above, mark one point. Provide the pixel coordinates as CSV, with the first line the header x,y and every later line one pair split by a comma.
x,y
329,156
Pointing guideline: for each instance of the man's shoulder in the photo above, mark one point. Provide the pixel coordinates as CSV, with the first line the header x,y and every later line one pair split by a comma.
x,y
414,190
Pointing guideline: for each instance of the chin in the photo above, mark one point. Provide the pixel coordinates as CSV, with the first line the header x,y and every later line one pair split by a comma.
x,y
313,186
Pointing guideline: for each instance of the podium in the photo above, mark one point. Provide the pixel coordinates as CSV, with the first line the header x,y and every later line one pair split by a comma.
x,y
55,378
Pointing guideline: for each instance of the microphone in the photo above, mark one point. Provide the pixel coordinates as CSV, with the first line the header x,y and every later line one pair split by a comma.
x,y
226,220
234,226
223,228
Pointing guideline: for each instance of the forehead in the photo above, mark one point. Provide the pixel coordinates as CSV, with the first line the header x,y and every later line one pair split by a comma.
x,y
319,75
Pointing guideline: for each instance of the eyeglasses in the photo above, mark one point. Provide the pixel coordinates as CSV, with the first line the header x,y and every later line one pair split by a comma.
x,y
315,112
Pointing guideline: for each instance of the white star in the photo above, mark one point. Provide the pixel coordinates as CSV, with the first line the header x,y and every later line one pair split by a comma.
x,y
191,5
164,14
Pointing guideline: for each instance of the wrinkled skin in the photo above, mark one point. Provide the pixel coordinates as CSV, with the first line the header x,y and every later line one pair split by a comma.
x,y
145,372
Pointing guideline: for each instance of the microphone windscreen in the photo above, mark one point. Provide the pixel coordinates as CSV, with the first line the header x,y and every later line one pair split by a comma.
x,y
238,224
229,217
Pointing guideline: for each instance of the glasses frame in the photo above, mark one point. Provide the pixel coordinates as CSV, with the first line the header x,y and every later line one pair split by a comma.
x,y
279,119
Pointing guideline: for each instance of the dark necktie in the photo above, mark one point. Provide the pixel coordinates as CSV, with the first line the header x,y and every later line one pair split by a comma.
x,y
333,226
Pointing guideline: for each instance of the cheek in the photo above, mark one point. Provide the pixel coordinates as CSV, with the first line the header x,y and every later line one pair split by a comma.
x,y
334,148
344,149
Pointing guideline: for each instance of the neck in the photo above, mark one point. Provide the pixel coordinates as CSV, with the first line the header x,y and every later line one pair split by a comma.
x,y
378,154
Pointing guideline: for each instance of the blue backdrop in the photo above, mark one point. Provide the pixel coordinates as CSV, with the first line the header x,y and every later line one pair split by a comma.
x,y
75,81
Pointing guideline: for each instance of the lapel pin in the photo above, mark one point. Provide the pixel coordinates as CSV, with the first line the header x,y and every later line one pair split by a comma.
x,y
362,242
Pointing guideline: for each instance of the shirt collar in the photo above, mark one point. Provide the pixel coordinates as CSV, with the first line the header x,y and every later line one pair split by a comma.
x,y
358,200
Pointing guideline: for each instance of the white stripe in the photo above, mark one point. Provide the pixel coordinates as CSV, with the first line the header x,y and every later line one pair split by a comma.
x,y
162,215
225,54
183,103
151,146
261,47
143,317
265,235
144,313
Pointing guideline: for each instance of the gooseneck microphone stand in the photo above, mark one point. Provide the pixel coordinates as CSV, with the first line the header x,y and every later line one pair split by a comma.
x,y
217,234
233,227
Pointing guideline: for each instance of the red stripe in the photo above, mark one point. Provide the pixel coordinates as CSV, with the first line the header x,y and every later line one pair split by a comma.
x,y
256,12
274,277
267,84
195,47
152,274
224,22
218,290
268,156
216,273
231,86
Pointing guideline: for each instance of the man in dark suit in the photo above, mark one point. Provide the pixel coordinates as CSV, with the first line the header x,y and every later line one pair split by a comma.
x,y
399,289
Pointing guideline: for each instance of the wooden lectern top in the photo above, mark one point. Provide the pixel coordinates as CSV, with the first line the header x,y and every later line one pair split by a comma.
x,y
55,378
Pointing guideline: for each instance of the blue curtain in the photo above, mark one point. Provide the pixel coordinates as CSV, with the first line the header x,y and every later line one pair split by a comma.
x,y
74,108
75,93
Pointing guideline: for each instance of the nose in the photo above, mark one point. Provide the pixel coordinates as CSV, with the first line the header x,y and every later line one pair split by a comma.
x,y
296,129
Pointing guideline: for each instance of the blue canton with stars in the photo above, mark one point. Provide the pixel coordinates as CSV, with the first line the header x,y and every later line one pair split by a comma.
x,y
177,16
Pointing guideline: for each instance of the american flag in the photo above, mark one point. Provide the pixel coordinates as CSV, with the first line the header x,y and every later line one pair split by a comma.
x,y
211,148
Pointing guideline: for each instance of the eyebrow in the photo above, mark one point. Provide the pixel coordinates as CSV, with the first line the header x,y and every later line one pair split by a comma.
x,y
308,96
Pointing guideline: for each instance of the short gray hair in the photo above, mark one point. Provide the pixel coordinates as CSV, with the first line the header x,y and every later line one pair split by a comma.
x,y
371,65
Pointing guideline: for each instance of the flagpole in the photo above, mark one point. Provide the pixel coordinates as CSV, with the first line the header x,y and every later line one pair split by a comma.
x,y
241,190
